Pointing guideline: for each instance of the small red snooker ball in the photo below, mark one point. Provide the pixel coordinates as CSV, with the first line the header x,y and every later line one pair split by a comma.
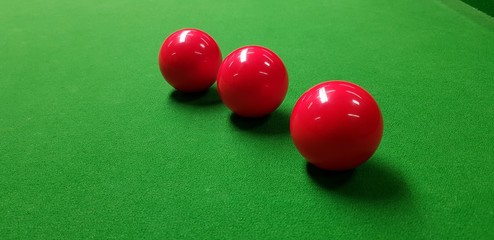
x,y
336,125
252,81
189,60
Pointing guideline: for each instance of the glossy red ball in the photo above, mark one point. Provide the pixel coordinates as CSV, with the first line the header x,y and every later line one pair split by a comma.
x,y
189,60
252,81
336,125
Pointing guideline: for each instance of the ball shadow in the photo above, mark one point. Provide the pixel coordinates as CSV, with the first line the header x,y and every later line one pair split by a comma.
x,y
329,180
482,5
205,98
277,122
372,181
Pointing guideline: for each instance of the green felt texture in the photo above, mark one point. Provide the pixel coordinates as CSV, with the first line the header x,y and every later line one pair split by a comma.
x,y
95,144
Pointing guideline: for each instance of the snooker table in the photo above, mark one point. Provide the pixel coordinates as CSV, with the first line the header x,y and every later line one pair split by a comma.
x,y
95,145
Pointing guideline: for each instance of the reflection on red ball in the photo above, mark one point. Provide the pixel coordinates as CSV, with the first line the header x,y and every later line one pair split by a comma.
x,y
336,125
252,81
189,60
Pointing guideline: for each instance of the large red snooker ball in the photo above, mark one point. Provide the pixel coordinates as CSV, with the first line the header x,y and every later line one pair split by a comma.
x,y
336,125
252,81
189,60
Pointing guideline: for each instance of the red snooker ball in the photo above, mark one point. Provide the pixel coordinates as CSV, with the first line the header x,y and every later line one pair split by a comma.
x,y
252,81
189,60
336,125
